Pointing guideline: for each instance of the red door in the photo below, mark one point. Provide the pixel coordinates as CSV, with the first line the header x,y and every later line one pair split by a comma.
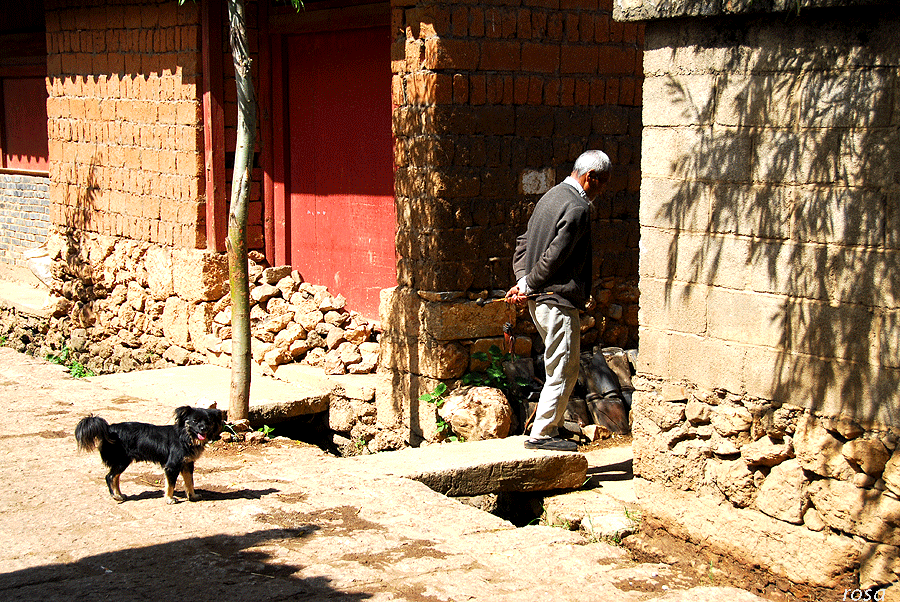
x,y
340,199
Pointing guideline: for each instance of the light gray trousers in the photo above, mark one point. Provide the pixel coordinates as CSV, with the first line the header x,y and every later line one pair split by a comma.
x,y
560,327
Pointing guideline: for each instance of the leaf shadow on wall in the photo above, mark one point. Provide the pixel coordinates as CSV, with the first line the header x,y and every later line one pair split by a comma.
x,y
792,168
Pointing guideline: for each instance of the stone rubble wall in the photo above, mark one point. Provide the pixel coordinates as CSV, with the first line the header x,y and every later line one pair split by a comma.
x,y
769,254
134,304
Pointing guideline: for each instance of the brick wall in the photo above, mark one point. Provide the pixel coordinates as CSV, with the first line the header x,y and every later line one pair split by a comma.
x,y
24,215
769,283
124,120
493,103
489,96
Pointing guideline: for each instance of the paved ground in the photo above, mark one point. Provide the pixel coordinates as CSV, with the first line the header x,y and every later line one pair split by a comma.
x,y
282,521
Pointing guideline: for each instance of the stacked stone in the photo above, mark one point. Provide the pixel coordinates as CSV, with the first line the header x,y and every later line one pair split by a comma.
x,y
828,475
292,320
121,305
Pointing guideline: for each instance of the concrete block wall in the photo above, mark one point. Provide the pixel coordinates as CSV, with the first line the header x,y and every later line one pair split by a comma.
x,y
493,103
769,273
768,211
24,215
124,120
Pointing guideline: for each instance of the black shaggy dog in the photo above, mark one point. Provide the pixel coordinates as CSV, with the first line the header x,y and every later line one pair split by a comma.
x,y
175,447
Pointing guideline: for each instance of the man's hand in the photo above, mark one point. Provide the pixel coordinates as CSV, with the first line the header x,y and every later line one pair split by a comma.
x,y
515,296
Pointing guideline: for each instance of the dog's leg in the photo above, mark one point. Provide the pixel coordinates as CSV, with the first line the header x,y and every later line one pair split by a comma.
x,y
171,477
112,483
187,475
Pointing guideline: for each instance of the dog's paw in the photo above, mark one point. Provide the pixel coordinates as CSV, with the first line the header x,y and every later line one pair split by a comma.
x,y
171,500
195,497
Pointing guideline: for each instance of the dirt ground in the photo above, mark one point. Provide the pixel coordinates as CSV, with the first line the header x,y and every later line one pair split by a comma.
x,y
278,521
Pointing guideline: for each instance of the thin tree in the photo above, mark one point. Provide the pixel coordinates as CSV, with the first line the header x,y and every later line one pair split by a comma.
x,y
236,238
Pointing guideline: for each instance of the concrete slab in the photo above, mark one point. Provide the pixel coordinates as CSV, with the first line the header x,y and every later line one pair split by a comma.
x,y
481,467
271,401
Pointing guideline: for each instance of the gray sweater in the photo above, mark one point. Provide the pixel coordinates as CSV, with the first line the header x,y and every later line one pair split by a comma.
x,y
555,251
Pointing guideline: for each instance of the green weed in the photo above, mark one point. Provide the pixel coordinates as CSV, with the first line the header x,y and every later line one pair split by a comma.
x,y
64,358
436,398
494,376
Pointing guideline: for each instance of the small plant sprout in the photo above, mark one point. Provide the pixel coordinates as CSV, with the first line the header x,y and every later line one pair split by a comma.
x,y
436,397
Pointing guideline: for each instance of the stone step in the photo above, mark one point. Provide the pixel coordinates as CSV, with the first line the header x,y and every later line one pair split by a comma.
x,y
594,513
271,401
361,387
606,508
481,467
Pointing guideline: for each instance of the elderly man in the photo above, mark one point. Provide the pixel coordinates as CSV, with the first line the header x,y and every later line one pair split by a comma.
x,y
552,265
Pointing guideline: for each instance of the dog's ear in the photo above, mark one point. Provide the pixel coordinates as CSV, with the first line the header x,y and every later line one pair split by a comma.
x,y
182,413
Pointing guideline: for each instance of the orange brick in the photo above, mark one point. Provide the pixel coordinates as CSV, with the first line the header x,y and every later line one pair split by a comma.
x,y
167,161
612,91
582,93
165,233
460,88
450,54
572,22
598,91
543,92
567,92
493,23
500,55
412,90
538,25
520,89
439,88
398,57
477,89
540,58
626,91
167,113
415,54
616,31
509,91
398,96
494,89
579,59
476,22
460,21
555,26
151,207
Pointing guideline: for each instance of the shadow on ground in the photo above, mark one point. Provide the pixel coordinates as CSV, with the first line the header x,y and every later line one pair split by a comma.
x,y
219,567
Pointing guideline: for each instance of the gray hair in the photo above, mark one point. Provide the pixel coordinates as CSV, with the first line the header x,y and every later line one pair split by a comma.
x,y
592,160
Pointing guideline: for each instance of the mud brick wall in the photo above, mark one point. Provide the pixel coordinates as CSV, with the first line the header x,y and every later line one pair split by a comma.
x,y
124,120
493,103
24,215
770,290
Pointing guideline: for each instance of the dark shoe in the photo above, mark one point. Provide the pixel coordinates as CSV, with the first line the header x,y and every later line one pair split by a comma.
x,y
551,443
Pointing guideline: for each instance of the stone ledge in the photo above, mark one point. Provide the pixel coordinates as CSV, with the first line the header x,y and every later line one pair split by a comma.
x,y
647,10
817,558
481,467
271,401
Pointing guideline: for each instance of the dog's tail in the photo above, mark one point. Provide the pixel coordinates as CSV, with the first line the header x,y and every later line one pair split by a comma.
x,y
91,431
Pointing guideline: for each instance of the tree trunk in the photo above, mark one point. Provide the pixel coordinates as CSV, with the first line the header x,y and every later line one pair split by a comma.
x,y
236,241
